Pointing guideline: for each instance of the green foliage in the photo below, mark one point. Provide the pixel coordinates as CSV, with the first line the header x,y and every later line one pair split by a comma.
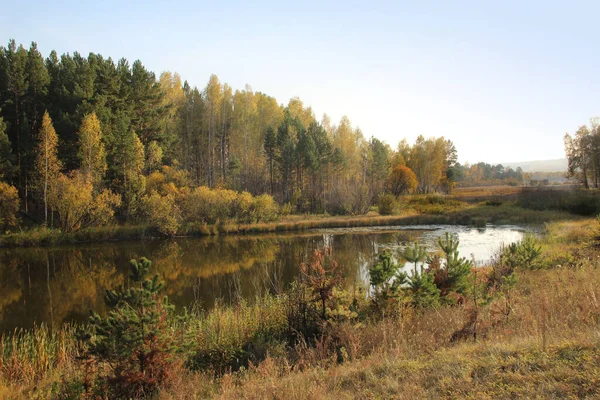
x,y
423,291
385,276
454,274
133,339
440,282
524,254
386,281
416,254
7,159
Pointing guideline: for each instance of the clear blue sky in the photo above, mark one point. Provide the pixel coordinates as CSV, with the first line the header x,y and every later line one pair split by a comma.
x,y
503,79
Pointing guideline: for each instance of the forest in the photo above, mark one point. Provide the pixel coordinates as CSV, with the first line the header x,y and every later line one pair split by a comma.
x,y
85,141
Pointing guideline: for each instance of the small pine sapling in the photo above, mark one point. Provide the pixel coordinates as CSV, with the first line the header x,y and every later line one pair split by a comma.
x,y
133,339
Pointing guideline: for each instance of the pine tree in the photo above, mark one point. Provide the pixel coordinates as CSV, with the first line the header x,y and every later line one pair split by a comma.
x,y
385,277
422,288
37,88
6,157
457,269
133,338
16,84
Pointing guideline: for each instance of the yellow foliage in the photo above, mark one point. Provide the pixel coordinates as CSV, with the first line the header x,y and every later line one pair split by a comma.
x,y
162,212
78,206
91,148
9,205
402,180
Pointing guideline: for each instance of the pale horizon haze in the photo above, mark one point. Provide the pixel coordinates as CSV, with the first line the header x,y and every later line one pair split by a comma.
x,y
503,80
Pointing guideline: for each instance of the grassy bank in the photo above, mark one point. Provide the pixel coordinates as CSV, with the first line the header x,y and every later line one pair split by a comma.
x,y
548,345
419,210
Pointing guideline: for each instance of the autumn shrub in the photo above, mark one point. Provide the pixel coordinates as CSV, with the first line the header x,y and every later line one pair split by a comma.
x,y
161,212
169,180
387,204
360,199
243,207
197,205
286,209
265,208
9,206
77,204
226,202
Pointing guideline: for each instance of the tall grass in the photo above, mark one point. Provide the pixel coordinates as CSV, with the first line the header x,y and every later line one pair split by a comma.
x,y
35,359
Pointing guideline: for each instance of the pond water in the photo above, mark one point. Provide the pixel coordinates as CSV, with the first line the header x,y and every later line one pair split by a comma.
x,y
59,284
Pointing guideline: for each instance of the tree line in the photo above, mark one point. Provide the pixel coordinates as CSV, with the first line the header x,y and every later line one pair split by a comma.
x,y
487,174
70,122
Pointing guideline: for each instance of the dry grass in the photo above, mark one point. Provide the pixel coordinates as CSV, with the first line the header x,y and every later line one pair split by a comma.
x,y
547,347
480,193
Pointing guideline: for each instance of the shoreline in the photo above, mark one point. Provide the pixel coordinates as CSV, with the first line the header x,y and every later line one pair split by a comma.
x,y
477,216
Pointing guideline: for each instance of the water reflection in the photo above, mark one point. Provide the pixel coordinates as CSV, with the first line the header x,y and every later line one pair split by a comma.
x,y
53,285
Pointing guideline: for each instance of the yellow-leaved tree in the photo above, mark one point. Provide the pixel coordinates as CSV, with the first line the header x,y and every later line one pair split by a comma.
x,y
47,164
91,148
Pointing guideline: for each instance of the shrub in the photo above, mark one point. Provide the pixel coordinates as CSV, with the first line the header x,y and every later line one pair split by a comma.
x,y
311,296
576,202
387,203
78,207
162,213
224,204
453,275
243,207
286,209
203,205
265,208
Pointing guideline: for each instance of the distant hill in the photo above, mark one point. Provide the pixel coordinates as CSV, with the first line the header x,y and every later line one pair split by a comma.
x,y
558,165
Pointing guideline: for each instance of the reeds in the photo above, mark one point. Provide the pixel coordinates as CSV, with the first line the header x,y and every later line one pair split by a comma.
x,y
29,355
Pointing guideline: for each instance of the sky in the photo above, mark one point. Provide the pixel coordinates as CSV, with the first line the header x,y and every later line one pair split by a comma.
x,y
504,80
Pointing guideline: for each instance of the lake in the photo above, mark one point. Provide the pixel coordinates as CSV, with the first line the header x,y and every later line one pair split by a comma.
x,y
58,284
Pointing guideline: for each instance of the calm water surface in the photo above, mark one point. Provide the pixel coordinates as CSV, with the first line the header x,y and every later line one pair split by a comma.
x,y
58,284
